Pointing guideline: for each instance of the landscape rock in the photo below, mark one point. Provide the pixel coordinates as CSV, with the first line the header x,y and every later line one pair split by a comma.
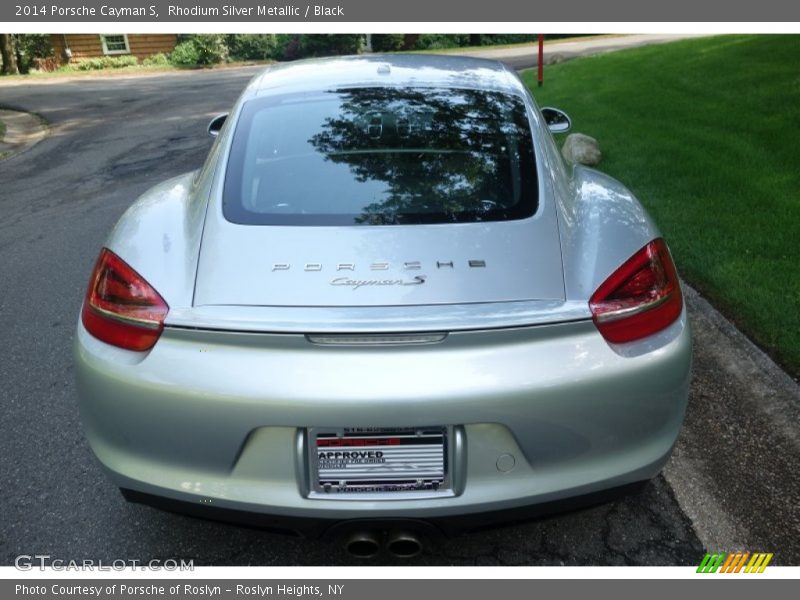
x,y
583,149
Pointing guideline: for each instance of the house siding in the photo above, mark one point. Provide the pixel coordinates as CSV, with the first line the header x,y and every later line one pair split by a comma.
x,y
90,46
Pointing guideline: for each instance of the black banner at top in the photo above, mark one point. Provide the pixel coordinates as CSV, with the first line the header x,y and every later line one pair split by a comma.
x,y
464,11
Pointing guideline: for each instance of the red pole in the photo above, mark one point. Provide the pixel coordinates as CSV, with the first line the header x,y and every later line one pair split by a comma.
x,y
540,63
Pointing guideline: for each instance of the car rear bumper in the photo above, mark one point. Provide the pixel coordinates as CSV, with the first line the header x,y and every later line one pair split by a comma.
x,y
333,528
218,419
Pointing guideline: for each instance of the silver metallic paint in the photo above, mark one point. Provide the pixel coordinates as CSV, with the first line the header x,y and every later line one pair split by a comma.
x,y
217,409
574,412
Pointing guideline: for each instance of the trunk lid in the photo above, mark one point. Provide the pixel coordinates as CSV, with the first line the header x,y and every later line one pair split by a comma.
x,y
398,265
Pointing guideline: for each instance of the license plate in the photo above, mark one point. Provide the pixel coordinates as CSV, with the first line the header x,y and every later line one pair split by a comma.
x,y
379,462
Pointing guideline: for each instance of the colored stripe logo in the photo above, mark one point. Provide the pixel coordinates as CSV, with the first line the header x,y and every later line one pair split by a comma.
x,y
736,562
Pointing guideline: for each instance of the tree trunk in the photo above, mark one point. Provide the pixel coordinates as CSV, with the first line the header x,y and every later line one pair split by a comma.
x,y
409,39
7,52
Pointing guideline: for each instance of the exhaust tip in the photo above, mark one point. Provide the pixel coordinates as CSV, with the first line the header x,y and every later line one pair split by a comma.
x,y
363,544
404,545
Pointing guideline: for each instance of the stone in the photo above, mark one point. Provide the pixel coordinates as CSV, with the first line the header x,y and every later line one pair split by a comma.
x,y
583,149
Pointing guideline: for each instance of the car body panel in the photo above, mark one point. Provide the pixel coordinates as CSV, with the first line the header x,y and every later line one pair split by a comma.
x,y
379,319
272,265
575,413
602,225
218,410
368,265
592,211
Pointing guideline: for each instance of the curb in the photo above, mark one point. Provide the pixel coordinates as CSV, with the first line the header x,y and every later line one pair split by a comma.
x,y
733,469
760,358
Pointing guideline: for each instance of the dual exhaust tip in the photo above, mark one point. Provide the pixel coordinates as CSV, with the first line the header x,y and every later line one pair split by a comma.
x,y
367,544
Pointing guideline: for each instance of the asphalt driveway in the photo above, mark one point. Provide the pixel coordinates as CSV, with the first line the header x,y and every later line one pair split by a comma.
x,y
110,140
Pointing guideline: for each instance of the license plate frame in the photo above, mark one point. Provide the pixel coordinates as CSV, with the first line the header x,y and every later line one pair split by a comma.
x,y
415,462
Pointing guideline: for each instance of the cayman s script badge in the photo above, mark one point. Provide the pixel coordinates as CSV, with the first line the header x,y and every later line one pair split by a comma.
x,y
358,283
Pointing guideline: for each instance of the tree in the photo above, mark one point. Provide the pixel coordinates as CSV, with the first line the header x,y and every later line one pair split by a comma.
x,y
33,50
330,44
8,54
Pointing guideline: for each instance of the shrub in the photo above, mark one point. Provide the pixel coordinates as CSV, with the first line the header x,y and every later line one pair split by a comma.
x,y
86,64
490,39
251,46
330,44
201,49
49,63
185,54
117,62
105,62
388,42
211,49
439,41
156,60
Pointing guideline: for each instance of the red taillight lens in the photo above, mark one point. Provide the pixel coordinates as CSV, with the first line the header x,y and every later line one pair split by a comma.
x,y
640,298
120,307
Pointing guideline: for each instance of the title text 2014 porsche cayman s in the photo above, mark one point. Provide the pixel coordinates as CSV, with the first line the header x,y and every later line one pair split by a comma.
x,y
384,297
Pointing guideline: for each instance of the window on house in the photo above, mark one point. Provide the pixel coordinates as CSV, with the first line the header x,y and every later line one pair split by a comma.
x,y
115,44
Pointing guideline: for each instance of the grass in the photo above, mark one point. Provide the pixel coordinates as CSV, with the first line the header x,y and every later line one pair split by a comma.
x,y
2,131
705,133
531,44
73,72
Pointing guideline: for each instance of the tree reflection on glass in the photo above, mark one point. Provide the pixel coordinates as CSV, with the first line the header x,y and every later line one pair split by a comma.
x,y
440,155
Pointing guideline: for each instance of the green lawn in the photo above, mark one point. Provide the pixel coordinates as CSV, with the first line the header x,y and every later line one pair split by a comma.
x,y
706,133
2,131
533,44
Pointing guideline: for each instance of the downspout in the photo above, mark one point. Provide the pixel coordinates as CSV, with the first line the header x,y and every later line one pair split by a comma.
x,y
67,49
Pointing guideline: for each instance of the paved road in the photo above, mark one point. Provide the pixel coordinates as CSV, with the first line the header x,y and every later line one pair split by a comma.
x,y
110,140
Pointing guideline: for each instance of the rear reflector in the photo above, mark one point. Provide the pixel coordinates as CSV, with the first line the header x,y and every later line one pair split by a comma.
x,y
120,307
640,298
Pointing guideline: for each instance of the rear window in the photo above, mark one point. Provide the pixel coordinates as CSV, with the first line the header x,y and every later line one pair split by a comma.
x,y
381,156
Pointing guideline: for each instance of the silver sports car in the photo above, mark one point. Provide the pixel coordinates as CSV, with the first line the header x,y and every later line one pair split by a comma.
x,y
384,304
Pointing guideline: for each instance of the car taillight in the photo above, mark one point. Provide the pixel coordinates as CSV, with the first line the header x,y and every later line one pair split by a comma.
x,y
120,307
640,298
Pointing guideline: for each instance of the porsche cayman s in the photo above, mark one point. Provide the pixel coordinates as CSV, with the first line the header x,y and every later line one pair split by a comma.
x,y
384,298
